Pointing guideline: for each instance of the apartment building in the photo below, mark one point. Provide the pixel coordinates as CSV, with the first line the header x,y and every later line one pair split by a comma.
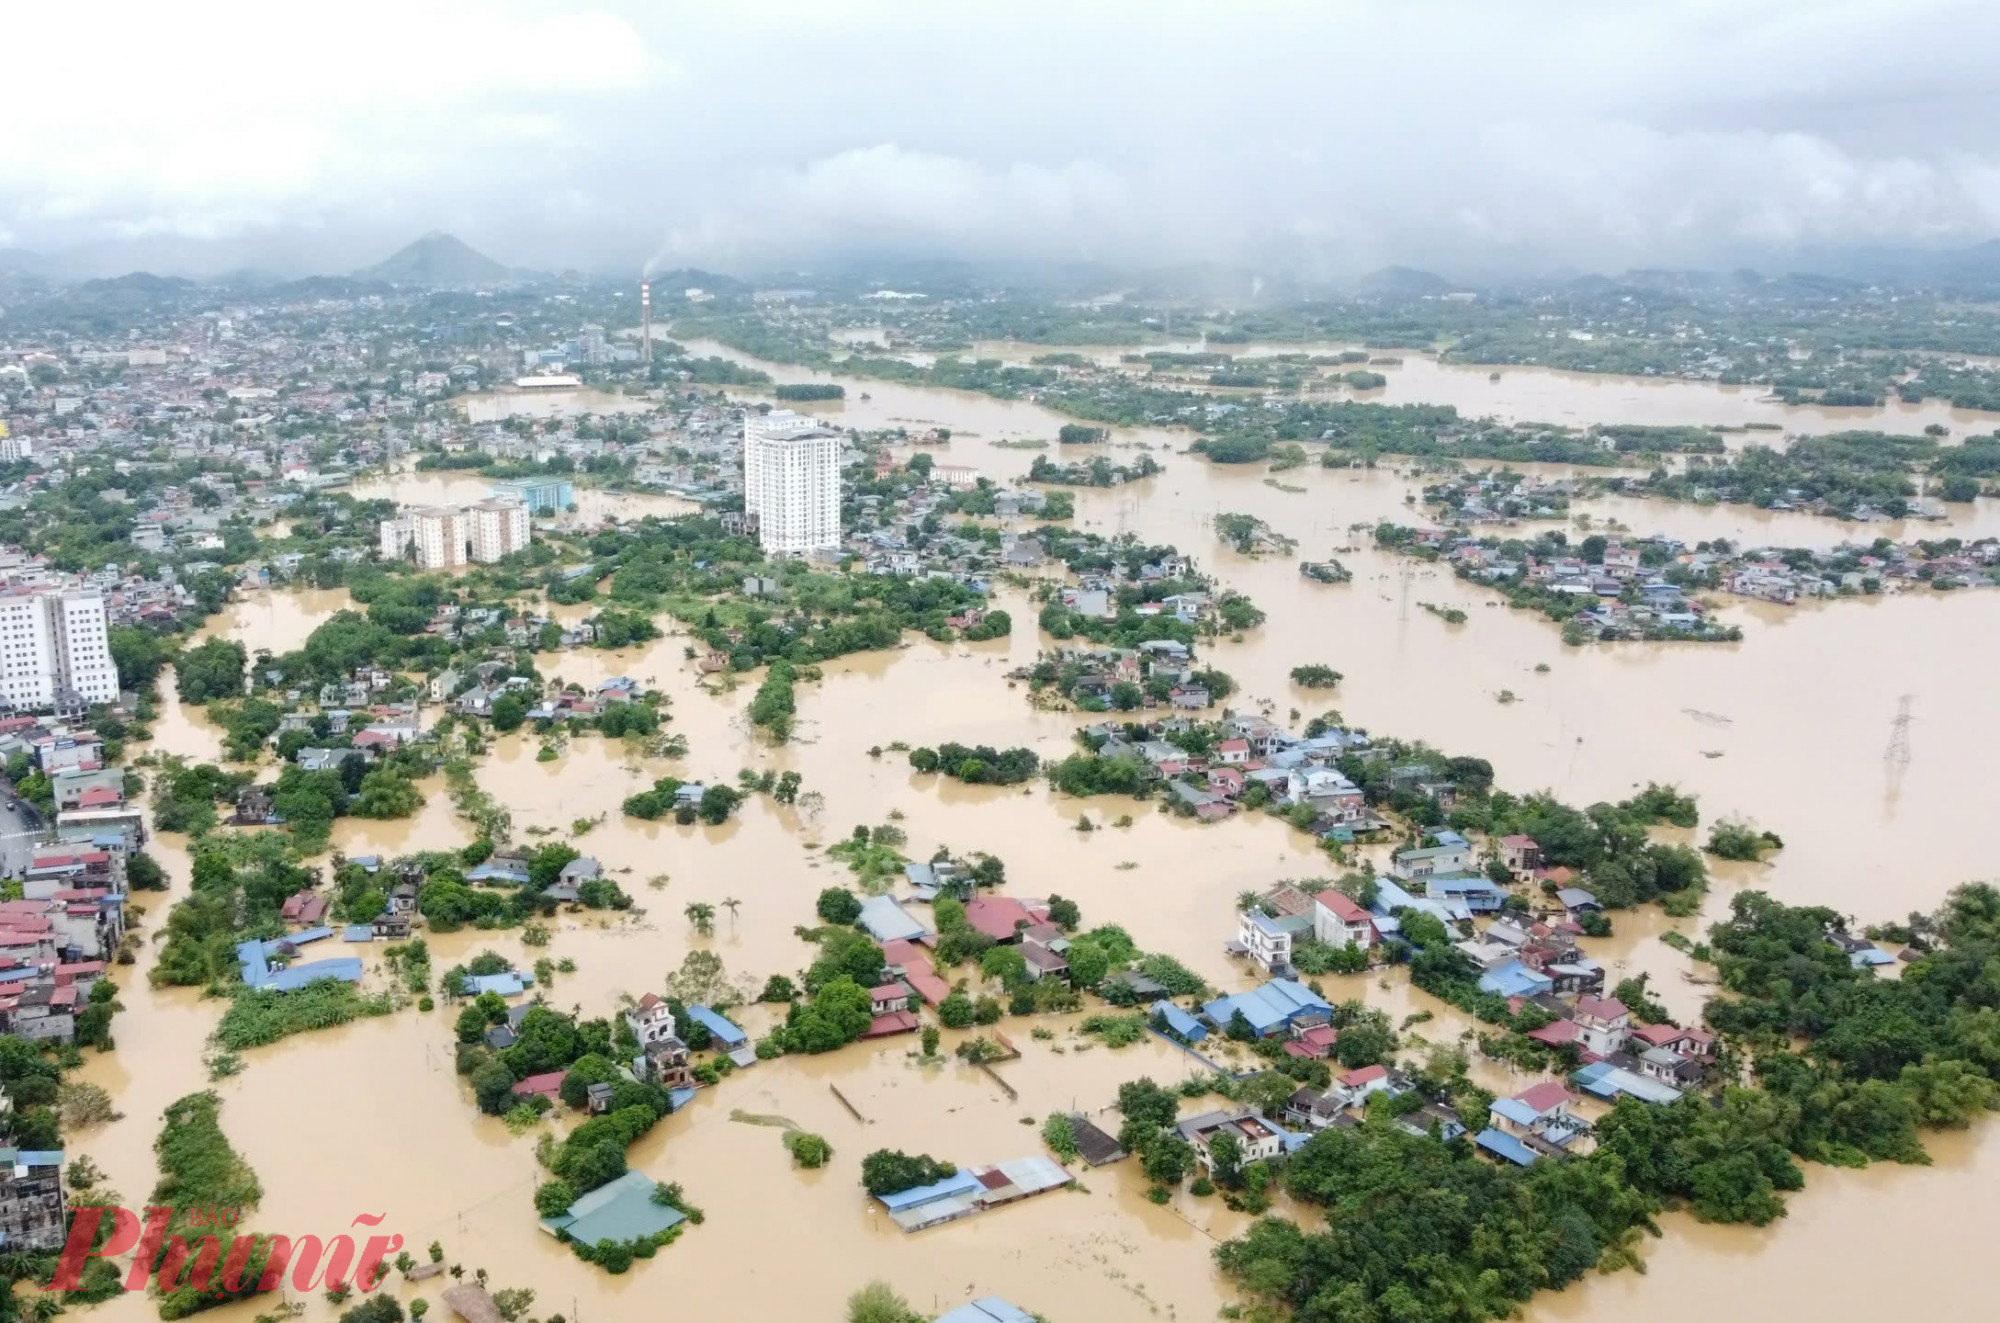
x,y
498,528
791,482
55,651
434,537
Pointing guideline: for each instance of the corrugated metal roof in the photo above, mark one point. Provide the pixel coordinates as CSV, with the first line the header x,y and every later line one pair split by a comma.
x,y
886,920
959,1183
986,1309
620,1210
935,1212
1504,1145
1180,1021
1034,1174
721,1029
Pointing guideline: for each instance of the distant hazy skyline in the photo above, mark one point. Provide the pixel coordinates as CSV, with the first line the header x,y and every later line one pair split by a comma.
x,y
1331,138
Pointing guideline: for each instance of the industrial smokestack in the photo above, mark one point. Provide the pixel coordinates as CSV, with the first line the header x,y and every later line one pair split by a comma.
x,y
646,318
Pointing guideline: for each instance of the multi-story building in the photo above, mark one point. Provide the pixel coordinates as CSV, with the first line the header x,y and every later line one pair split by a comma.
x,y
791,482
13,448
758,431
540,495
31,1199
498,528
55,651
434,537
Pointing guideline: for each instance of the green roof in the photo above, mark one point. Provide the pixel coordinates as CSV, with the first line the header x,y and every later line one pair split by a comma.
x,y
620,1210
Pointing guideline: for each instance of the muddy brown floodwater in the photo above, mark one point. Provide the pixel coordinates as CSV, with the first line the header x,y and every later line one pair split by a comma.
x,y
1787,729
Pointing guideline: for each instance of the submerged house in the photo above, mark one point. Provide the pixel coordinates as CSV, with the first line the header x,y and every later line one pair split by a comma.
x,y
973,1190
986,1309
1268,1009
622,1210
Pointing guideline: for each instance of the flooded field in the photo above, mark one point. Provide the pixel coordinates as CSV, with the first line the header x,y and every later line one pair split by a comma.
x,y
1511,394
1787,729
1577,399
492,406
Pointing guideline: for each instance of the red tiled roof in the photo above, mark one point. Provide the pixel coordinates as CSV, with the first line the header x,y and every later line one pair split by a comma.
x,y
1544,1096
1365,1075
1556,1034
928,986
1603,1008
999,916
1341,906
548,1086
894,1022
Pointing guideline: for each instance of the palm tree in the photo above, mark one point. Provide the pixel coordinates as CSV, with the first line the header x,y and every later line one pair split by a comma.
x,y
1247,900
701,915
732,905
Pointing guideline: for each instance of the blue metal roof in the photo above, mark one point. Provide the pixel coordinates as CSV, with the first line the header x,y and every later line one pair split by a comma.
x,y
1503,1145
512,983
959,1183
1179,1021
1516,1111
1463,886
1390,897
1515,979
345,968
1610,1082
1266,1008
986,1309
358,932
720,1029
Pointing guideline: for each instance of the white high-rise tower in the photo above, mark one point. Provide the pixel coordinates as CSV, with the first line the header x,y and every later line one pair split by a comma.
x,y
791,482
52,645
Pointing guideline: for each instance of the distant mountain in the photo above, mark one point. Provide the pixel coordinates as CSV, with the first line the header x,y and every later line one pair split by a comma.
x,y
437,260
688,277
1402,282
135,286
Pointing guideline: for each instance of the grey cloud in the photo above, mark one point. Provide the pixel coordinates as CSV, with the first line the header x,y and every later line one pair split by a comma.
x,y
1470,137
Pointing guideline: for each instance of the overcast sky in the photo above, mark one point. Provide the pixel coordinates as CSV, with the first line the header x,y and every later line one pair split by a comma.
x,y
1466,137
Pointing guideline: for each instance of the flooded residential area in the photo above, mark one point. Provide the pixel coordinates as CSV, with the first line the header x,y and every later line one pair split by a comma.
x,y
1721,723
1025,689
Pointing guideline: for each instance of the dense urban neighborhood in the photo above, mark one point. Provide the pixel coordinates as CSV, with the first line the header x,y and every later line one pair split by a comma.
x,y
383,660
